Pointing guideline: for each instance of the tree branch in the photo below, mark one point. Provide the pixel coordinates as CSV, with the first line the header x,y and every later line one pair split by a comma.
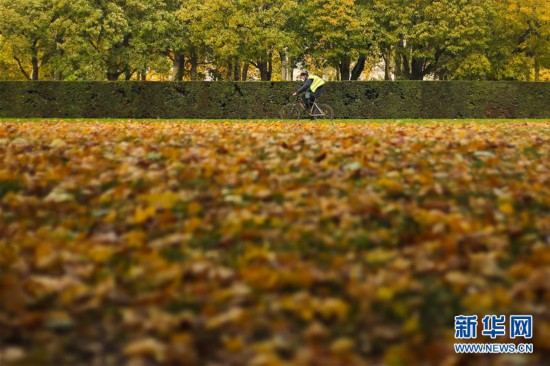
x,y
21,68
93,45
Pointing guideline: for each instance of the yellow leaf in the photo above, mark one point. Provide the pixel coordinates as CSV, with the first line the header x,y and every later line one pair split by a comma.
x,y
165,200
506,208
333,308
389,184
146,347
385,293
142,214
233,344
45,255
194,208
135,238
233,315
411,325
192,224
100,253
53,284
342,346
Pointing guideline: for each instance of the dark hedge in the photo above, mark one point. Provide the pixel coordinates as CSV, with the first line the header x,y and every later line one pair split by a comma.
x,y
350,99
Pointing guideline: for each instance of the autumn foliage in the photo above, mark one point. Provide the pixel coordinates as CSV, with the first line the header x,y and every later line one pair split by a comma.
x,y
268,243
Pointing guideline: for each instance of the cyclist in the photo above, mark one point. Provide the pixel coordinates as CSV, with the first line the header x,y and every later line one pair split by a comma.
x,y
313,86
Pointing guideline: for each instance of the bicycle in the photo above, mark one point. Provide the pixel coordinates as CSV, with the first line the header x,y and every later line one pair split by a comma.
x,y
296,109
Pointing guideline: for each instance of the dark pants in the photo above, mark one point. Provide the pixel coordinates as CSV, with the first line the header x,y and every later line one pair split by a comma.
x,y
309,97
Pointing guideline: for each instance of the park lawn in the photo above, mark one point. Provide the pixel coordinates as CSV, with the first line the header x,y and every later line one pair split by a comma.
x,y
273,243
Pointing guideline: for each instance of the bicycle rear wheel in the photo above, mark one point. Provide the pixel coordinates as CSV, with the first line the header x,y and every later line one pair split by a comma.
x,y
327,111
290,111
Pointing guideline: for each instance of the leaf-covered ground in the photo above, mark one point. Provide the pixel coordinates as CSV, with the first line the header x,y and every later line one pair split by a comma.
x,y
146,243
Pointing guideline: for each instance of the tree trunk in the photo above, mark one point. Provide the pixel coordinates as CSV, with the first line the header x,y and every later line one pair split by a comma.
x,y
113,75
358,68
246,64
237,71
417,69
265,66
126,66
284,65
58,74
398,67
387,68
344,68
34,61
178,65
401,60
229,73
537,69
270,66
290,69
265,70
261,67
194,60
128,74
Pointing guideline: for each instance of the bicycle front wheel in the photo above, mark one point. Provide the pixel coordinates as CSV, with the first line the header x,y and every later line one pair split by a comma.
x,y
326,110
290,111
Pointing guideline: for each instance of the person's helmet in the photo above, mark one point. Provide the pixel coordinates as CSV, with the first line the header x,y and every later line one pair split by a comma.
x,y
304,73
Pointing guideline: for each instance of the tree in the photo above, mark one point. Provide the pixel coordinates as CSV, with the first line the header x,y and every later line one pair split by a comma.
x,y
244,32
32,30
202,23
339,31
520,44
263,25
422,36
110,37
188,38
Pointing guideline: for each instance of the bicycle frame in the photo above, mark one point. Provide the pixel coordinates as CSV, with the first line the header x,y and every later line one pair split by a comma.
x,y
297,107
314,111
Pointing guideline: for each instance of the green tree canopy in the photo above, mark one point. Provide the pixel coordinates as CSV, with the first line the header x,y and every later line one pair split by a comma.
x,y
422,37
243,39
339,31
32,31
